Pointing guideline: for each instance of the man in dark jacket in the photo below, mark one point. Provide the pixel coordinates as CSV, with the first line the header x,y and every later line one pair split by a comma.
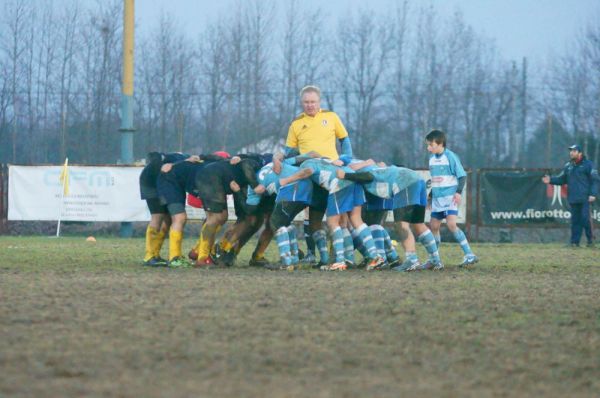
x,y
582,180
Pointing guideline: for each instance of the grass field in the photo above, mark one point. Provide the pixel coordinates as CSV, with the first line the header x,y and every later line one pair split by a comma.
x,y
85,319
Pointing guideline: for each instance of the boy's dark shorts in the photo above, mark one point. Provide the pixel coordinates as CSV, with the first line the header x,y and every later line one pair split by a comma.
x,y
412,214
374,217
171,195
319,198
284,213
156,207
212,194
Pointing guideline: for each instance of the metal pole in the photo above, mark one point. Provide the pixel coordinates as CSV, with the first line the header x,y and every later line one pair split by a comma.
x,y
127,96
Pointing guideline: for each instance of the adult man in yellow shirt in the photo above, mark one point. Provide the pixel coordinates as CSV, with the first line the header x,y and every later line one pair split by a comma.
x,y
316,130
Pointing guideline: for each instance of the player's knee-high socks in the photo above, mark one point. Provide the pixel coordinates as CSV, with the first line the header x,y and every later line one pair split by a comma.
x,y
320,238
461,238
358,245
337,240
175,239
159,240
378,239
348,246
428,241
310,242
283,244
364,233
151,238
207,240
390,251
293,244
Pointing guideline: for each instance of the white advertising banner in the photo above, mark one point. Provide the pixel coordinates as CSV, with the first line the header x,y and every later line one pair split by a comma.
x,y
95,194
99,194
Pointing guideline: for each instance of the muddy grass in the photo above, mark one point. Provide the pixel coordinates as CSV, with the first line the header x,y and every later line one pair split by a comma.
x,y
81,319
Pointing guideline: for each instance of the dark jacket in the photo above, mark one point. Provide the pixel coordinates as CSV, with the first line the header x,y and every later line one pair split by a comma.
x,y
581,178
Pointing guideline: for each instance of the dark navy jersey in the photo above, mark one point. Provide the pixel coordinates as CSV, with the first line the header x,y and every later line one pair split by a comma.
x,y
152,170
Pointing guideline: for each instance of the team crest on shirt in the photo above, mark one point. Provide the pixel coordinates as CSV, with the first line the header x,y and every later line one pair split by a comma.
x,y
324,122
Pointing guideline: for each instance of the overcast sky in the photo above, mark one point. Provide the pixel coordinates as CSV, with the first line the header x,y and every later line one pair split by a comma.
x,y
532,28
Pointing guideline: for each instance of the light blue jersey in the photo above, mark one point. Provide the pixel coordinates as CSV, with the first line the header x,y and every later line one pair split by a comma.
x,y
445,170
389,180
324,174
299,191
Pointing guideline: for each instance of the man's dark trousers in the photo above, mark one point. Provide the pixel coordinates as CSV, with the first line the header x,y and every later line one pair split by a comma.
x,y
580,219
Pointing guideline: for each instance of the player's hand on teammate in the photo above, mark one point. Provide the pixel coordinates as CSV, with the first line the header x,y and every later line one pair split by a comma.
x,y
235,160
234,186
340,174
546,179
260,189
165,168
194,158
591,198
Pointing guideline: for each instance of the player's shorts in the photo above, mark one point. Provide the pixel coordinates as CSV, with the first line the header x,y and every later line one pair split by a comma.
x,y
440,215
210,190
319,198
302,191
284,213
414,194
171,194
345,200
266,205
374,217
156,207
376,203
412,214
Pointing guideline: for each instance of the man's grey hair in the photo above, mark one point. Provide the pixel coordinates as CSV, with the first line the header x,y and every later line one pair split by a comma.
x,y
310,89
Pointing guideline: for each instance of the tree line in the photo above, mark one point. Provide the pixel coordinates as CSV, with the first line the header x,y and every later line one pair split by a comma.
x,y
392,75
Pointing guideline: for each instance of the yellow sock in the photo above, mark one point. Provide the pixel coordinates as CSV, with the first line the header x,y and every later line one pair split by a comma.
x,y
226,244
158,242
258,255
150,242
207,240
175,239
213,250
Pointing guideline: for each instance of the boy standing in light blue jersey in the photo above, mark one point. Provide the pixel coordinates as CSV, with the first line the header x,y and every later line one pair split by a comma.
x,y
447,183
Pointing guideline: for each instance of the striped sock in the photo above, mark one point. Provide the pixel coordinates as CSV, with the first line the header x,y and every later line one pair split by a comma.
x,y
320,238
358,245
337,238
293,244
378,239
390,250
428,241
461,238
283,244
348,245
412,256
365,236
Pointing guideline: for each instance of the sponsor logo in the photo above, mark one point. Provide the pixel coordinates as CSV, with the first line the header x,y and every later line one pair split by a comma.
x,y
324,122
96,178
556,193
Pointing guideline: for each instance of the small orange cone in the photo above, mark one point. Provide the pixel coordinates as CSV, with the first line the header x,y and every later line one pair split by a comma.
x,y
90,239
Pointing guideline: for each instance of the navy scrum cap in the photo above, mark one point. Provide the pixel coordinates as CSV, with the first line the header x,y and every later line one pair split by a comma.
x,y
575,148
